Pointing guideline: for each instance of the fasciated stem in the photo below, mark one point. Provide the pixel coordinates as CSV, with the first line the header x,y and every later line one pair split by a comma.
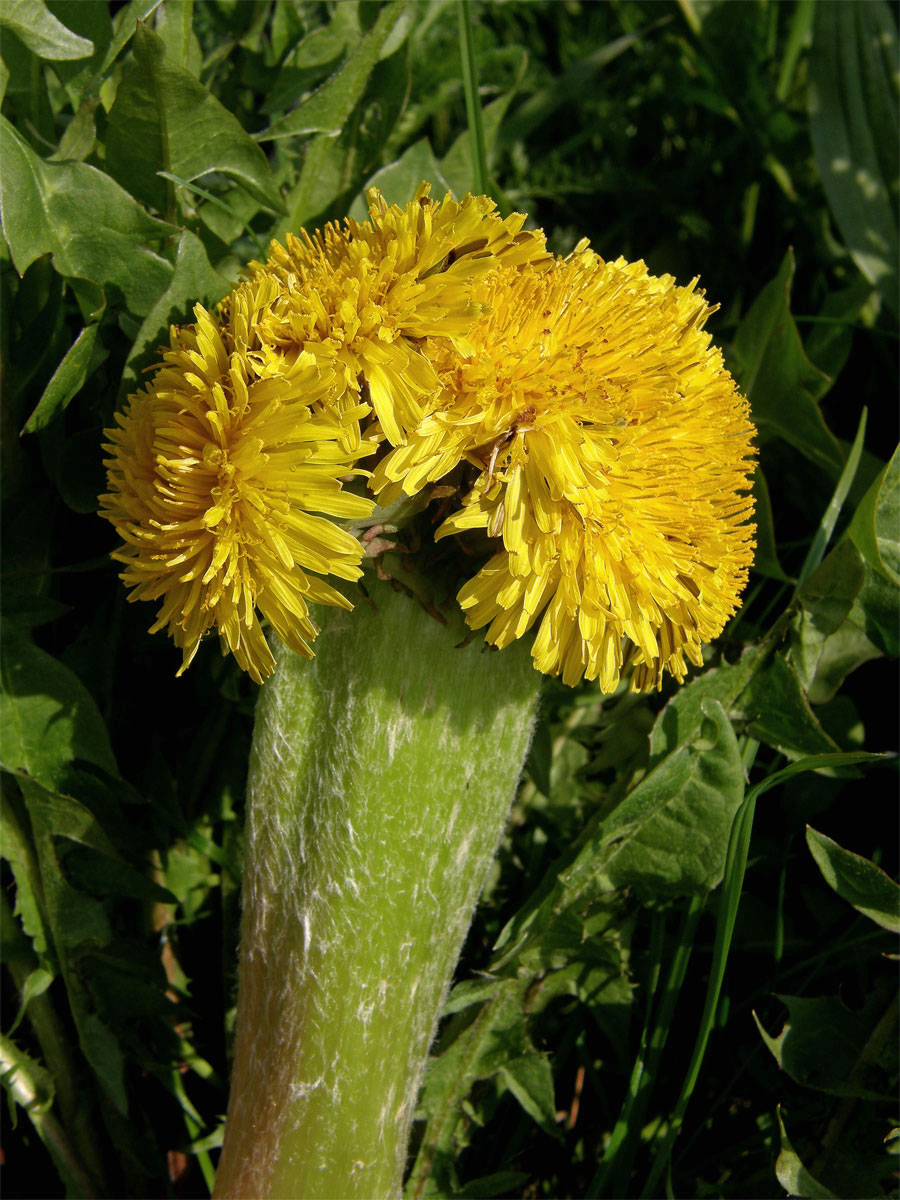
x,y
381,777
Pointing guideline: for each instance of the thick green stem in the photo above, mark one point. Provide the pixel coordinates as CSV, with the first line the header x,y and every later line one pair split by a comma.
x,y
380,781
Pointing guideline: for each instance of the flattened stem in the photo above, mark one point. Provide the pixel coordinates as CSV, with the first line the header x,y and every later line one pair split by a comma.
x,y
380,781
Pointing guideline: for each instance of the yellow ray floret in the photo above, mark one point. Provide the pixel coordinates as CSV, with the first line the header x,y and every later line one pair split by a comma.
x,y
613,455
361,296
216,474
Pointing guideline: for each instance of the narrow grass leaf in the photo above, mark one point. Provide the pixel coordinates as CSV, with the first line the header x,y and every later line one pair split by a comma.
x,y
473,100
823,534
735,869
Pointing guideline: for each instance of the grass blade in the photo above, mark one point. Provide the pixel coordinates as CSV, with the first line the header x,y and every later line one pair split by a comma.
x,y
626,1136
816,552
732,885
473,103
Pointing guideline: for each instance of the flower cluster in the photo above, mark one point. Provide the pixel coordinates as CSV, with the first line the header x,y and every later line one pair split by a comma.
x,y
612,455
217,473
601,448
247,431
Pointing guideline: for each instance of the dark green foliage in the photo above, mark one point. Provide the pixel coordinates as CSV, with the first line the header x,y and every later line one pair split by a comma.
x,y
600,1039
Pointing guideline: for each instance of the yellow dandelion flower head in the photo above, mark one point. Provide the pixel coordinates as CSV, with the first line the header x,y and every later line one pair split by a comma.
x,y
613,455
217,473
361,296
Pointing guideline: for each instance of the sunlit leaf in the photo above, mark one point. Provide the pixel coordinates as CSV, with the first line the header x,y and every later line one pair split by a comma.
x,y
530,1080
854,121
193,282
778,713
164,119
398,180
793,1176
857,880
49,718
90,225
875,527
67,381
41,32
824,603
777,377
327,109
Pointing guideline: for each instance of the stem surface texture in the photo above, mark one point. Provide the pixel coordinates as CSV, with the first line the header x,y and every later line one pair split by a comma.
x,y
380,780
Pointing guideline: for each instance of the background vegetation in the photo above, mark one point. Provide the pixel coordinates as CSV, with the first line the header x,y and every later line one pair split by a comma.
x,y
151,149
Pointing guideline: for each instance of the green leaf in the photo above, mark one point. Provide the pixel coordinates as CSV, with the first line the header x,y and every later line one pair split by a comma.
x,y
17,849
312,57
540,757
102,873
500,1183
822,1043
567,87
793,1176
869,889
36,983
473,1048
765,561
469,992
327,109
164,119
829,517
398,180
79,136
89,19
68,380
41,32
670,834
777,377
78,922
174,25
824,602
854,121
667,837
530,1080
830,339
680,720
875,528
842,652
778,713
456,165
30,608
194,282
92,227
48,716
326,173
876,610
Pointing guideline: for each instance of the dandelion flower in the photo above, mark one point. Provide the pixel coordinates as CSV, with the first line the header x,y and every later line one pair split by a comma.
x,y
216,474
612,456
362,296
